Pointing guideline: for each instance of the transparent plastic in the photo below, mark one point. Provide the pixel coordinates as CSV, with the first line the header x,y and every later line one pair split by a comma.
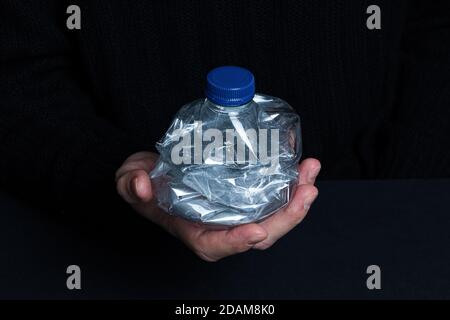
x,y
228,165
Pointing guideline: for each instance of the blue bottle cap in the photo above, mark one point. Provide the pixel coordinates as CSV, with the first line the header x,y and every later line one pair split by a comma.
x,y
230,86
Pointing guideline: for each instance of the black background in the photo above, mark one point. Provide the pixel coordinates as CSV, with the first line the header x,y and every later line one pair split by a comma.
x,y
401,226
374,105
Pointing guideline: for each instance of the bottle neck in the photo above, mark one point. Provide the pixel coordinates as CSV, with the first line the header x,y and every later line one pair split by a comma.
x,y
227,109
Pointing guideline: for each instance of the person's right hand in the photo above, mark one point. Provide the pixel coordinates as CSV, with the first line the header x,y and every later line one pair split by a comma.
x,y
134,185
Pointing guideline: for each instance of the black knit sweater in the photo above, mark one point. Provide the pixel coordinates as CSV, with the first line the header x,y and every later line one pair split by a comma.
x,y
74,104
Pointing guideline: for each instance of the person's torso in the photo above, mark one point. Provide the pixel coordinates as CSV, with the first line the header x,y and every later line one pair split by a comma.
x,y
145,59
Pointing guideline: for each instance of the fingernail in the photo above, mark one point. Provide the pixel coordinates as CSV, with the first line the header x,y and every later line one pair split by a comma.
x,y
135,183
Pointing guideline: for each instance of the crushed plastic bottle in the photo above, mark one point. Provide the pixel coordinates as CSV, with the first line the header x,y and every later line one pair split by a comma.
x,y
230,158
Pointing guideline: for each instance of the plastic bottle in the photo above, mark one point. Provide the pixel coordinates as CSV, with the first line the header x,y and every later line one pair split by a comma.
x,y
230,158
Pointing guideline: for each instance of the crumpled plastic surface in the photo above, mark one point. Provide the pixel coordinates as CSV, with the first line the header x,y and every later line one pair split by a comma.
x,y
208,187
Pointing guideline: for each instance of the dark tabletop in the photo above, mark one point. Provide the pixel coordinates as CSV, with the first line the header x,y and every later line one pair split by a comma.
x,y
401,226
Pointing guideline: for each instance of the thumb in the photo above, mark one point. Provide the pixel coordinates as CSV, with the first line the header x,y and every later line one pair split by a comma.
x,y
135,187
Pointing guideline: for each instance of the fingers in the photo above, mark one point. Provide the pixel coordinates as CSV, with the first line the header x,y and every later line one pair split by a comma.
x,y
282,222
212,245
217,245
135,187
133,184
308,171
132,180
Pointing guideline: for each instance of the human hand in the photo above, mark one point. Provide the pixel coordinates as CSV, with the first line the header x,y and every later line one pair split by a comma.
x,y
134,186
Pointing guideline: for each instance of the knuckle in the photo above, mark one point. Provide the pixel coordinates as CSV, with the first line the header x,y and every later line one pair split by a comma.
x,y
308,189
